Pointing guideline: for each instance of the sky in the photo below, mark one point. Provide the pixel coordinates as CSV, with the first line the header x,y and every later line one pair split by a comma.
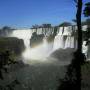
x,y
25,13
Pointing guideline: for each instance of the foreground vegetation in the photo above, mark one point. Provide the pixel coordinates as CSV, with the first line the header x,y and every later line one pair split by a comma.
x,y
85,70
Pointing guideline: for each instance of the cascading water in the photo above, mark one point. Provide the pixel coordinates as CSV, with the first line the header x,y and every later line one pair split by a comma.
x,y
60,42
72,42
48,47
45,49
39,52
64,39
69,43
25,35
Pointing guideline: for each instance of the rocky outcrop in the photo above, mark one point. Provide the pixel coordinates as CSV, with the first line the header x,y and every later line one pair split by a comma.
x,y
36,39
13,44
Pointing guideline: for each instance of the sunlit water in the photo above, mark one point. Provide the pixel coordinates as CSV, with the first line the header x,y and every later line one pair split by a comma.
x,y
64,39
39,53
42,51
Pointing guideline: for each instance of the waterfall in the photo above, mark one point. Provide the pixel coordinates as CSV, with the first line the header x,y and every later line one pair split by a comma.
x,y
48,47
25,35
69,43
61,42
72,42
58,42
37,53
64,39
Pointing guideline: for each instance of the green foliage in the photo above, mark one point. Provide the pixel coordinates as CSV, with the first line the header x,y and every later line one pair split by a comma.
x,y
42,26
87,9
65,24
6,28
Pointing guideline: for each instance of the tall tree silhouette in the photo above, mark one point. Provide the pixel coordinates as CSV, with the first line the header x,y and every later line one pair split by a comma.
x,y
78,20
72,80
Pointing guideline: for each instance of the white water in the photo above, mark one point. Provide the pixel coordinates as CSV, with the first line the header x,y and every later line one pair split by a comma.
x,y
69,43
38,53
63,40
45,49
23,34
60,42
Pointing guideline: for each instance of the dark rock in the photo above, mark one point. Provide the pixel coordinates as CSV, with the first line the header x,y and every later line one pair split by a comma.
x,y
36,39
12,44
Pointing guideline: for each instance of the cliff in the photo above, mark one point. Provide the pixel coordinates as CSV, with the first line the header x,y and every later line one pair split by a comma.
x,y
13,44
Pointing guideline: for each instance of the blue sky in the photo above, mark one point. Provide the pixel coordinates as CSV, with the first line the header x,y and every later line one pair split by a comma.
x,y
25,13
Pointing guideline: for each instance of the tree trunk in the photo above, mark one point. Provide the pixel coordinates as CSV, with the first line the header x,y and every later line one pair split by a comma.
x,y
79,58
78,17
72,80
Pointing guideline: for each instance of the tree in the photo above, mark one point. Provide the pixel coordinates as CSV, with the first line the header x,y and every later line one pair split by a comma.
x,y
6,28
78,20
46,25
65,24
78,56
87,9
35,26
72,80
87,14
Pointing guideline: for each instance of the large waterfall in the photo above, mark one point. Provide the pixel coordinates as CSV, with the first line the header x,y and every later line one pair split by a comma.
x,y
64,39
39,52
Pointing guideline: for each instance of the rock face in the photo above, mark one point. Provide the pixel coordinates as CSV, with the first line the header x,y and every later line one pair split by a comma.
x,y
63,55
36,39
13,44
